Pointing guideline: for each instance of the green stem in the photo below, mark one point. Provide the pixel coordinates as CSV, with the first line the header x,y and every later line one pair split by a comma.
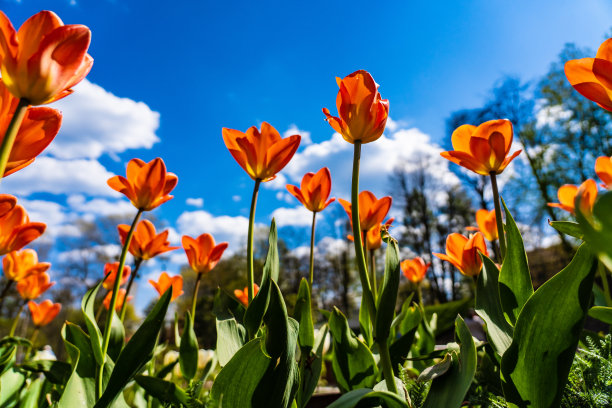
x,y
32,342
420,295
113,302
359,253
11,134
385,361
601,269
194,299
16,320
312,242
250,273
373,273
498,216
137,263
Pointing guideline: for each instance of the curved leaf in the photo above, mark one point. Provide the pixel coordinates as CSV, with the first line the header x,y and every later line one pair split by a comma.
x,y
231,335
303,314
369,398
570,228
601,313
87,307
385,307
188,352
164,391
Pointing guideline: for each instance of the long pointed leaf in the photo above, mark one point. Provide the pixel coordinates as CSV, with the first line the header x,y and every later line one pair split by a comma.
x,y
87,307
188,352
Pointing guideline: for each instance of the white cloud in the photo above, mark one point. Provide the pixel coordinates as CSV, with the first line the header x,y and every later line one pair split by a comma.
x,y
96,122
294,130
236,198
222,228
293,217
549,116
278,183
54,215
100,206
195,202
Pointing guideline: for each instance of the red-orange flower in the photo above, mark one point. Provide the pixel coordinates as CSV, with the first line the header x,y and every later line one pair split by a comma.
x,y
483,149
414,269
567,196
110,274
16,230
362,113
462,252
32,286
147,185
165,282
119,301
37,130
374,236
43,313
603,168
592,77
19,264
7,203
314,190
372,211
487,224
260,154
146,243
202,253
45,58
243,295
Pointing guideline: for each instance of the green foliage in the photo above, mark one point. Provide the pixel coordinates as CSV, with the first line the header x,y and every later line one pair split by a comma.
x,y
231,334
188,357
385,306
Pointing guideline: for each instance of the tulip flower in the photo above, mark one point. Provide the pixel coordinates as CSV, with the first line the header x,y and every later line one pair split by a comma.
x,y
202,253
414,269
243,295
16,230
110,274
314,190
32,286
591,76
372,211
147,185
19,264
38,128
43,313
362,113
462,252
164,282
567,196
374,236
483,149
7,203
45,58
260,154
603,168
146,243
487,224
119,302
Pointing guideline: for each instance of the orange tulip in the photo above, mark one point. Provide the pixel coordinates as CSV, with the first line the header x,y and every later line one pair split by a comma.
x,y
372,211
362,113
147,184
37,130
374,236
110,274
314,190
202,253
414,269
260,154
43,313
483,149
165,282
243,295
120,299
7,203
462,252
32,286
603,168
16,230
45,58
146,243
592,77
567,196
487,224
19,264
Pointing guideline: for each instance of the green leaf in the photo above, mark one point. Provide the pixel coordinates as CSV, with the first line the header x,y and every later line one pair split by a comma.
x,y
515,285
601,313
117,337
11,382
447,313
257,308
188,352
231,335
57,372
407,327
7,357
80,388
164,391
488,307
546,335
597,227
366,397
87,307
303,314
449,390
15,341
310,368
365,325
570,228
436,370
33,394
385,307
353,363
136,353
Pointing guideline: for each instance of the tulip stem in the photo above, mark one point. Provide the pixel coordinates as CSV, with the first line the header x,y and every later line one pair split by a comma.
x,y
11,134
359,252
250,274
373,273
16,320
420,294
385,361
498,216
137,263
113,302
194,300
312,242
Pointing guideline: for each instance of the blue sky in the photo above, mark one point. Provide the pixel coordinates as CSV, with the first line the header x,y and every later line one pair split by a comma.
x,y
168,76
